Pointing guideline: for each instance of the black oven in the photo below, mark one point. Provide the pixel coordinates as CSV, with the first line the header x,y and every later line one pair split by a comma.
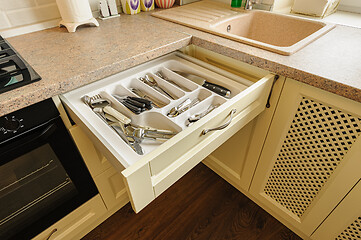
x,y
42,174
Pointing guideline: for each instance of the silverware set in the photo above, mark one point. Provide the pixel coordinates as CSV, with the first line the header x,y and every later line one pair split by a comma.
x,y
150,81
184,106
135,104
130,133
161,75
155,102
194,118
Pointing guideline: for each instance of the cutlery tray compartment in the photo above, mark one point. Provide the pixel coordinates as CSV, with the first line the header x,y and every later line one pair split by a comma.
x,y
164,162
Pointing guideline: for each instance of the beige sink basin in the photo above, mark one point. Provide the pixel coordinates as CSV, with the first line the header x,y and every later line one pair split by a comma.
x,y
278,33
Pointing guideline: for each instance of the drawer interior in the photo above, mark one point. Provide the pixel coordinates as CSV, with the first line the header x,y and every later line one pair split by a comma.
x,y
156,117
164,161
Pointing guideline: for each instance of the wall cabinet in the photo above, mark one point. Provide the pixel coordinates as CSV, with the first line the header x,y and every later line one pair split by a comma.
x,y
311,157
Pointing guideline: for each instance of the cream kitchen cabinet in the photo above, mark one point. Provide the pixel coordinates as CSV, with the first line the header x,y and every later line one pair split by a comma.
x,y
147,176
310,159
345,221
77,223
108,181
236,159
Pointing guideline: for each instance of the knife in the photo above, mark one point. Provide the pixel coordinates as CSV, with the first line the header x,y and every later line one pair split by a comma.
x,y
203,82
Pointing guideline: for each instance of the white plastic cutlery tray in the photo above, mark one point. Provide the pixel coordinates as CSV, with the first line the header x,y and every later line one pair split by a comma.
x,y
163,163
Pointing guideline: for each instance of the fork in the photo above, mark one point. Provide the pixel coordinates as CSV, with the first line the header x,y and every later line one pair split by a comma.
x,y
157,103
161,75
97,101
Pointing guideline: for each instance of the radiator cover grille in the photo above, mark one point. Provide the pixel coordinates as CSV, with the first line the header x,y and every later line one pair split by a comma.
x,y
352,232
318,139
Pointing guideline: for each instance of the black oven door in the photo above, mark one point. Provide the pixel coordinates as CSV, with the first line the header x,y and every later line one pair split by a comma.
x,y
42,179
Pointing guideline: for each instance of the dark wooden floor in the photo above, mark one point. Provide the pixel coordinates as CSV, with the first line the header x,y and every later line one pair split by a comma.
x,y
200,206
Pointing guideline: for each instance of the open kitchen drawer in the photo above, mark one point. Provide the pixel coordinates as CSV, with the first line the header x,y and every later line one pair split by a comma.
x,y
163,163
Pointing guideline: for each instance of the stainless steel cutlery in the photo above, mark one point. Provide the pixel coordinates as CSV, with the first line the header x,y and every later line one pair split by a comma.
x,y
224,92
155,102
150,81
131,134
184,106
161,75
194,118
136,105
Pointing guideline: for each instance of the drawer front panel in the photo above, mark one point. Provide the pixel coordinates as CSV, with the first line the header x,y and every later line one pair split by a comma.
x,y
195,155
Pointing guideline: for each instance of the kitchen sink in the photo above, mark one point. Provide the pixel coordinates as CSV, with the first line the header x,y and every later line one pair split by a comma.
x,y
275,32
278,33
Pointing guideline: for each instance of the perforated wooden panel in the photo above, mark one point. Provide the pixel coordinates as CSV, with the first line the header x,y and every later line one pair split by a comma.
x,y
352,232
318,139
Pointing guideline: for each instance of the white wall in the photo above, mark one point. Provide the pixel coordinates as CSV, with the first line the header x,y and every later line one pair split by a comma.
x,y
22,16
350,5
15,13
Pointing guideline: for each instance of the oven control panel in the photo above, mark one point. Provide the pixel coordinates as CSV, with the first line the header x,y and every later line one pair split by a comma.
x,y
10,124
26,120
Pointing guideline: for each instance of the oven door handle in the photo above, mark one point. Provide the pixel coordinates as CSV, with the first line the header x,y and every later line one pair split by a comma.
x,y
34,136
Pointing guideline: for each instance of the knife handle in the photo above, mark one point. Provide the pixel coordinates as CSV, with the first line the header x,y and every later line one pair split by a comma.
x,y
122,118
135,103
148,103
131,107
224,92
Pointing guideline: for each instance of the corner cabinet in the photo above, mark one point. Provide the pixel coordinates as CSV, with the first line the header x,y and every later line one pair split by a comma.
x,y
310,159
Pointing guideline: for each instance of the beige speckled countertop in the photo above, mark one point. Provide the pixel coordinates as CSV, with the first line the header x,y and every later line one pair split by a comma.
x,y
66,61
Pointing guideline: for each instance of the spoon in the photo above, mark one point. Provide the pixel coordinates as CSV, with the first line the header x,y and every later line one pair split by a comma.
x,y
153,83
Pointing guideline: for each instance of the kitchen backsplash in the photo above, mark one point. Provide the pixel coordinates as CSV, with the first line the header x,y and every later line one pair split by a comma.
x,y
15,13
27,15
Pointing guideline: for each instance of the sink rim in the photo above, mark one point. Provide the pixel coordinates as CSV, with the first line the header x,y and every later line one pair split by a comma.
x,y
284,50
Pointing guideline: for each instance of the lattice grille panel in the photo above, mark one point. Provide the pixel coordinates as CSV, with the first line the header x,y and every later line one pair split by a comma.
x,y
352,232
318,139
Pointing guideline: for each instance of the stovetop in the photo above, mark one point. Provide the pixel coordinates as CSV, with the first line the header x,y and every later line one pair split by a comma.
x,y
14,70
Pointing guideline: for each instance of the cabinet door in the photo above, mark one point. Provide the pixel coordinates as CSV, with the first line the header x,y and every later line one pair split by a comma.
x,y
76,224
112,189
93,159
344,223
109,182
236,159
310,159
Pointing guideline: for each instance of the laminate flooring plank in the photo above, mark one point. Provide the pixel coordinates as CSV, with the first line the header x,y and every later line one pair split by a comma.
x,y
200,206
